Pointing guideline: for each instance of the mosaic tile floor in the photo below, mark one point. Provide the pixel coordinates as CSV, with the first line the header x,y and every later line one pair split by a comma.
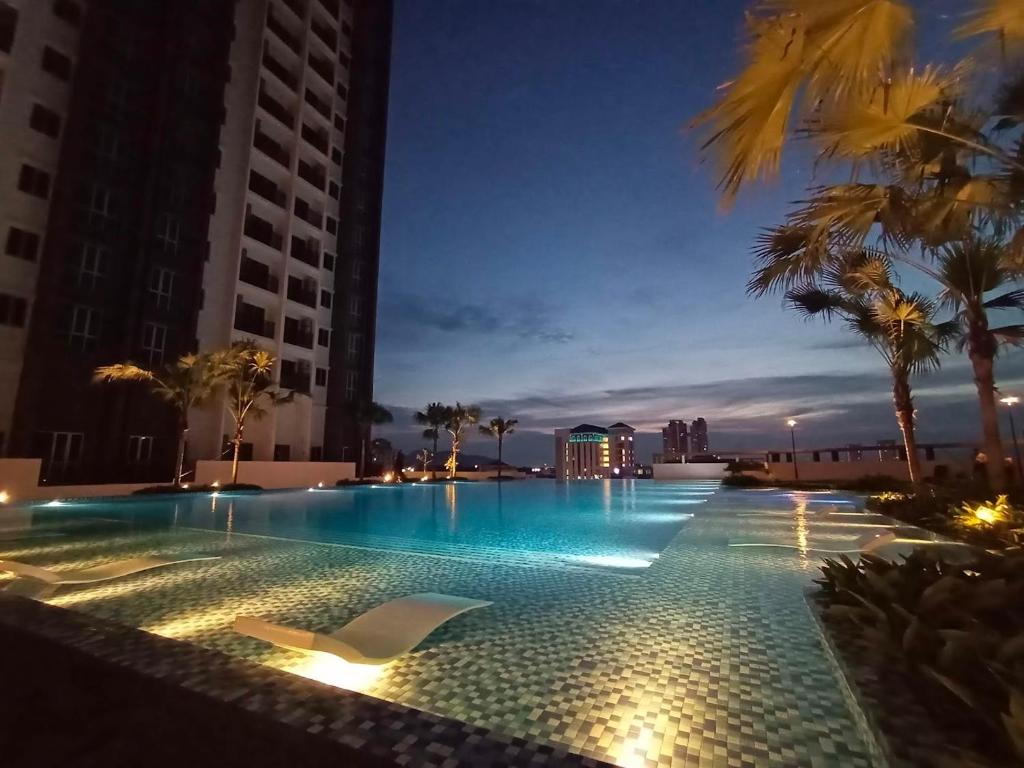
x,y
710,657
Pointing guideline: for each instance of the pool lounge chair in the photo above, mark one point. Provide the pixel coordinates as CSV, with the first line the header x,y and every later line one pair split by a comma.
x,y
378,636
869,542
103,572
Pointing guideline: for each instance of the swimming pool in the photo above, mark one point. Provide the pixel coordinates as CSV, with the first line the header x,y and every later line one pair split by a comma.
x,y
622,624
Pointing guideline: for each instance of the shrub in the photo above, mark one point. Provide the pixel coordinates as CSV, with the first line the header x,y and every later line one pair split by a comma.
x,y
741,481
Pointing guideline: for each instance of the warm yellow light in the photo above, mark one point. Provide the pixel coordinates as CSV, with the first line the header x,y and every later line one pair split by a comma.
x,y
4,497
388,477
1010,400
986,515
215,484
791,423
329,669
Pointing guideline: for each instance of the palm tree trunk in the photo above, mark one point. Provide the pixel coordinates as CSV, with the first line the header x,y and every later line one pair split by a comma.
x,y
179,463
499,457
984,380
234,459
433,458
454,458
904,404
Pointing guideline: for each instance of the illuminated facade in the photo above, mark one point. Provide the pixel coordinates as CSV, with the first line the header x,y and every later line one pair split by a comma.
x,y
622,457
698,437
675,441
582,453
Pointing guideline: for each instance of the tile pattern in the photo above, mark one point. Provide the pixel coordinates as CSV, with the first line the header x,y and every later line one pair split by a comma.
x,y
710,658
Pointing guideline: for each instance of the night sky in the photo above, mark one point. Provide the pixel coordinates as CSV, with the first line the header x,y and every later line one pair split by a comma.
x,y
553,250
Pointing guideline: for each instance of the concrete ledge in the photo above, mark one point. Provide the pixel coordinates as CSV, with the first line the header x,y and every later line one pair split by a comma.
x,y
276,474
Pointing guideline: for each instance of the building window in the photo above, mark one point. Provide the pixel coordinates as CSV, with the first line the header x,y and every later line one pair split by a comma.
x,y
107,144
56,63
355,343
355,307
336,155
282,452
328,261
92,264
13,310
61,452
316,453
45,121
321,377
351,380
69,11
323,337
333,190
325,298
140,450
339,122
168,232
99,205
340,86
332,226
22,244
8,23
83,327
161,285
154,341
34,181
357,270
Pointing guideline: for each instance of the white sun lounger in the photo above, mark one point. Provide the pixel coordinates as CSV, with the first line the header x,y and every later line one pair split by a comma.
x,y
869,542
378,636
96,573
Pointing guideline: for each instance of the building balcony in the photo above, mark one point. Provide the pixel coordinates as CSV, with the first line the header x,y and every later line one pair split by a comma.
x,y
294,377
279,70
297,8
267,189
331,6
297,334
318,104
250,319
318,139
275,108
308,252
322,67
309,214
274,25
314,174
257,273
262,231
271,148
328,35
301,292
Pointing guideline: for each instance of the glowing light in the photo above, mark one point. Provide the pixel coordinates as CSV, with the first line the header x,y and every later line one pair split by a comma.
x,y
986,515
215,493
388,477
320,484
215,484
1010,400
4,497
613,561
311,489
184,485
633,752
54,503
329,669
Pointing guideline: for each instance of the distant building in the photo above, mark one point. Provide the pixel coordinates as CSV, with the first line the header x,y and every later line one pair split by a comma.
x,y
581,453
698,436
675,441
620,448
855,452
888,450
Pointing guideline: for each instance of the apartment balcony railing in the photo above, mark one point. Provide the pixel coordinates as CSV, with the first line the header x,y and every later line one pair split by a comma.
x,y
297,335
322,67
301,293
275,108
267,189
317,138
280,71
257,273
286,37
326,34
249,319
314,174
318,104
306,252
297,8
271,148
263,231
309,214
297,379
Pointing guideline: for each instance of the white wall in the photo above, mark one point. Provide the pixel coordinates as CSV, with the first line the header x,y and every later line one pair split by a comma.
x,y
20,479
697,471
277,474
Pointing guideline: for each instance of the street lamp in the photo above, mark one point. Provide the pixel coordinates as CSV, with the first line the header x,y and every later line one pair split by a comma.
x,y
792,439
1009,401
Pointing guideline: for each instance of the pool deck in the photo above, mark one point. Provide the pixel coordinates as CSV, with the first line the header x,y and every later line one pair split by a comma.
x,y
710,657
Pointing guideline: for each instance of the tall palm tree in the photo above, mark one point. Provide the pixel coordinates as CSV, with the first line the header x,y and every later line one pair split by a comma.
x,y
459,417
250,390
899,326
434,417
189,382
499,427
367,414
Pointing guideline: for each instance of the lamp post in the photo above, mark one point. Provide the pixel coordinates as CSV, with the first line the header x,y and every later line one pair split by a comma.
x,y
792,440
1009,401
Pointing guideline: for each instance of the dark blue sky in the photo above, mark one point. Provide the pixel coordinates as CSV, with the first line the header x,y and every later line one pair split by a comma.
x,y
553,250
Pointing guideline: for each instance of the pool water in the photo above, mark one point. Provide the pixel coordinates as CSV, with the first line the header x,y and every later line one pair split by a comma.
x,y
622,626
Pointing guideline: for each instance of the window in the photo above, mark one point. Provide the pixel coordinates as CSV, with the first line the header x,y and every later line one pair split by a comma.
x,y
8,23
45,121
61,452
333,190
355,307
34,181
140,449
339,122
316,453
56,63
99,204
108,143
161,285
328,261
168,231
92,264
321,377
69,11
340,86
325,298
332,225
282,452
12,310
336,155
357,270
22,244
351,379
154,341
323,337
355,343
83,327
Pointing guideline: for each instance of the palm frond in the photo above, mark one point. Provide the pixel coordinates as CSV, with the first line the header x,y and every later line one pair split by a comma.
x,y
810,300
1009,300
1003,18
1009,334
122,372
787,255
847,215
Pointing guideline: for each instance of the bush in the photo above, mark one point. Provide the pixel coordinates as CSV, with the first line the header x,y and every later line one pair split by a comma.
x,y
236,487
741,481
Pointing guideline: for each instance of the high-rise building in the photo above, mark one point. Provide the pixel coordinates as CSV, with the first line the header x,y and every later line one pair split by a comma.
x,y
582,453
675,441
181,175
622,458
698,437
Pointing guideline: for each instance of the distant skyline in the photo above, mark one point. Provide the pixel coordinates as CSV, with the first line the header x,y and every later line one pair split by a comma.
x,y
553,251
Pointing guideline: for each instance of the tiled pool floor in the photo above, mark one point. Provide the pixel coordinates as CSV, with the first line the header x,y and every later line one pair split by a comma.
x,y
710,657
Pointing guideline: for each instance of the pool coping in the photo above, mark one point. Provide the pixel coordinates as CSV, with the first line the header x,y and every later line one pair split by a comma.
x,y
362,729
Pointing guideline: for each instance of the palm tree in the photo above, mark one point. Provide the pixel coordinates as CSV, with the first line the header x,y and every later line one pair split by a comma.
x,y
498,428
434,417
189,382
250,390
899,326
459,417
367,414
